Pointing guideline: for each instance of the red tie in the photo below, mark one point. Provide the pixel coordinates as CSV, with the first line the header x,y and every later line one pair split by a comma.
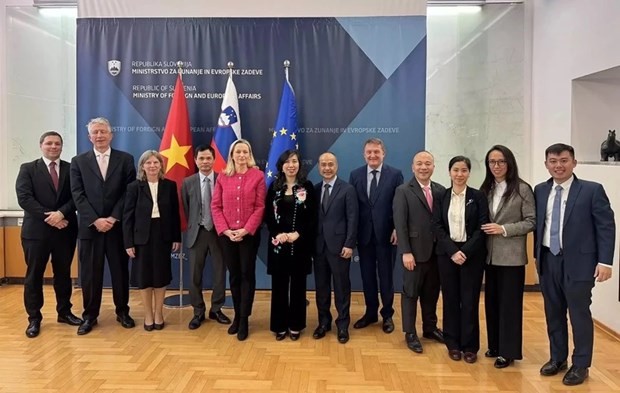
x,y
429,197
54,174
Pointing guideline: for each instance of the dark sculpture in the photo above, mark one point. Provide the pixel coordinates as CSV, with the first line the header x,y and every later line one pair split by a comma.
x,y
610,147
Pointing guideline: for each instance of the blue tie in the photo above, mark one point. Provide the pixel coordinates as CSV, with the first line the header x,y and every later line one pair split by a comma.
x,y
554,243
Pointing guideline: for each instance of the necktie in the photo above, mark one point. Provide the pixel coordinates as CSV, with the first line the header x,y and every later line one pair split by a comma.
x,y
325,197
207,220
373,184
429,197
103,165
54,174
554,242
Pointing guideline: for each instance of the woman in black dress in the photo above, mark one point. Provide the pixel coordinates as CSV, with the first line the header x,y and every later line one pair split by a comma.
x,y
291,220
151,228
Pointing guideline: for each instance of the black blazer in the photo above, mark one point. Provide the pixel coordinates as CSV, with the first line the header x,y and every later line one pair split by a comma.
x,y
138,210
95,197
283,258
36,195
337,227
476,214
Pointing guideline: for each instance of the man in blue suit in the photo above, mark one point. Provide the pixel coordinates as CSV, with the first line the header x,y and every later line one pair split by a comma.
x,y
375,184
574,245
336,234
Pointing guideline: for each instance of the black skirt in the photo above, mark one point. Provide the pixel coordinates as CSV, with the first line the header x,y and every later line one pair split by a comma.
x,y
152,266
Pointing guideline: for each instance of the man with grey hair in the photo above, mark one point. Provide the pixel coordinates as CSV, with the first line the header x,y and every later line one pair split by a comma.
x,y
99,178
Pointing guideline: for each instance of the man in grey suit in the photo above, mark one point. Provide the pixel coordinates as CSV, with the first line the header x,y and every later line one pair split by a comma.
x,y
575,241
201,238
336,237
413,213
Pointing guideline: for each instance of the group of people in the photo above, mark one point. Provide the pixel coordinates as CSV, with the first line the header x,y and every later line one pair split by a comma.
x,y
446,239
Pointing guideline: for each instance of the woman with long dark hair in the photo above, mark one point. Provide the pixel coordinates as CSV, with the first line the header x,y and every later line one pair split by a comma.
x,y
461,250
512,216
291,220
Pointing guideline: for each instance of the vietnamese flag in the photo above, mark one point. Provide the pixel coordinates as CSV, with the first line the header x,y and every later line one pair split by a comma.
x,y
176,144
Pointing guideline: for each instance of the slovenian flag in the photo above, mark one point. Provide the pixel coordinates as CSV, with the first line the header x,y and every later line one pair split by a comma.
x,y
284,134
228,126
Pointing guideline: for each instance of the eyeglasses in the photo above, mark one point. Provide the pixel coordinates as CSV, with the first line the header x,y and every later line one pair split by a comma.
x,y
499,163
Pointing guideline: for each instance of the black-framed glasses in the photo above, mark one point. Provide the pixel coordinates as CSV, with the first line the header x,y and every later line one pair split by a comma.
x,y
499,163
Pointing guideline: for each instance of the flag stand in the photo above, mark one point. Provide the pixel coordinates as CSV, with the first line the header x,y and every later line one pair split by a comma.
x,y
181,300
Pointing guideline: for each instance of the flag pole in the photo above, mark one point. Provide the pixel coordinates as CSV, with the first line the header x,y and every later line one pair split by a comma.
x,y
183,300
228,302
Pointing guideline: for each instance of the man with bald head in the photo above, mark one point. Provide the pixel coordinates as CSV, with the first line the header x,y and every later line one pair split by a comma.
x,y
413,213
336,237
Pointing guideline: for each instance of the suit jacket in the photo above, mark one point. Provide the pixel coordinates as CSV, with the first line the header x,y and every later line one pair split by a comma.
x,y
413,219
138,210
36,195
337,226
476,214
518,216
377,213
589,231
299,216
95,197
191,196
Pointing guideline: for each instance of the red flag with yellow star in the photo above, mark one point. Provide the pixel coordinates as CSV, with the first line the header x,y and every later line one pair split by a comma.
x,y
176,144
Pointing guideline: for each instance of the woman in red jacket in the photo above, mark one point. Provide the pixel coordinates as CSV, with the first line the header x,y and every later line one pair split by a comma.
x,y
237,207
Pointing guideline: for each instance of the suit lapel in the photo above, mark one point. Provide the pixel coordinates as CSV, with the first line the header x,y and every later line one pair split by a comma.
x,y
62,179
113,163
43,171
417,191
144,187
196,190
333,194
573,194
469,204
94,166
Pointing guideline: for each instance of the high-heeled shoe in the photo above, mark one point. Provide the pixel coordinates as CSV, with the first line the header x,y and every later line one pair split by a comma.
x,y
159,326
149,328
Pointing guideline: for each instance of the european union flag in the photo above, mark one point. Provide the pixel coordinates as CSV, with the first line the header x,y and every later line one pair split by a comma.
x,y
284,135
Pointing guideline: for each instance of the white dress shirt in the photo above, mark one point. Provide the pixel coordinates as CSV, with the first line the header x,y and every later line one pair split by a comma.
x,y
456,216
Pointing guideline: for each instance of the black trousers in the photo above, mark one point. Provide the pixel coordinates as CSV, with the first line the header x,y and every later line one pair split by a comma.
x,y
503,302
421,283
288,302
326,267
377,260
460,287
61,247
240,259
207,243
561,293
93,252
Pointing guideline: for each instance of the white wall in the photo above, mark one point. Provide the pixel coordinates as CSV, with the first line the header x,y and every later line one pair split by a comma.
x,y
573,38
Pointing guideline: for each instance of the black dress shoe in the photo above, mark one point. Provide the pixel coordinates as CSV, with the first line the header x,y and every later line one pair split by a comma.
x,y
454,354
234,328
126,321
244,329
69,319
552,368
436,335
86,326
502,362
320,331
196,321
220,317
388,325
575,376
470,357
364,321
33,329
413,342
491,353
294,335
159,326
281,336
343,336
149,328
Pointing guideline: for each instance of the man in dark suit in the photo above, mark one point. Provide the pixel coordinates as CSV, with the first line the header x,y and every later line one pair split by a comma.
x,y
413,220
49,229
575,238
375,184
336,235
201,238
99,179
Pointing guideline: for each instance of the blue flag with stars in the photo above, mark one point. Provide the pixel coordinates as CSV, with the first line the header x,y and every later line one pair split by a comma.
x,y
284,135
